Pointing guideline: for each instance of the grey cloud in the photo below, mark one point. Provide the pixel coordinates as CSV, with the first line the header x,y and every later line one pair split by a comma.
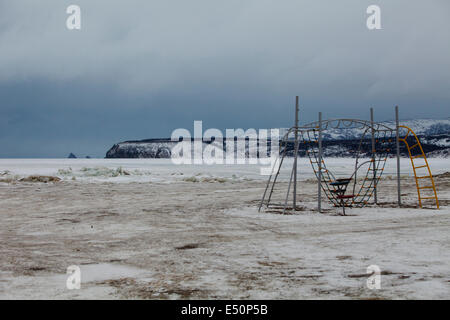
x,y
139,69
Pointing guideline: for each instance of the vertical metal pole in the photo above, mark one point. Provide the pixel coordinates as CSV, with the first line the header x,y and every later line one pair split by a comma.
x,y
398,156
295,155
287,193
374,166
319,182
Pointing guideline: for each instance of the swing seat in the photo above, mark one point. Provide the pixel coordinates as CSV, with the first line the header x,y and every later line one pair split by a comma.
x,y
340,182
346,196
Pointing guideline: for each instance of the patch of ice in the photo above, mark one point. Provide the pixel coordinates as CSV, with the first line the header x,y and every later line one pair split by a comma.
x,y
108,271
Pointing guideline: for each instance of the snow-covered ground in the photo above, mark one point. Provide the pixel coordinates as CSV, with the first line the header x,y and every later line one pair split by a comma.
x,y
146,228
163,170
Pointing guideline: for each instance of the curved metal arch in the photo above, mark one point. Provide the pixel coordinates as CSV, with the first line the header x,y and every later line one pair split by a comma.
x,y
344,123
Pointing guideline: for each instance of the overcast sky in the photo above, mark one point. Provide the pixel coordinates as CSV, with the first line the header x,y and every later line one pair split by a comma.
x,y
140,69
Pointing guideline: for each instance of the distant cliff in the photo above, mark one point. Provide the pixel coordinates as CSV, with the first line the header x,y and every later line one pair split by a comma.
x,y
434,136
149,148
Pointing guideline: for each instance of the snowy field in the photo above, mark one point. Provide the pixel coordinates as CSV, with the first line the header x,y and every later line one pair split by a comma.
x,y
149,229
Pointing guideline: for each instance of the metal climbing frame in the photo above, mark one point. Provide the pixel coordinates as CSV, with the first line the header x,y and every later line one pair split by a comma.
x,y
378,138
383,137
283,152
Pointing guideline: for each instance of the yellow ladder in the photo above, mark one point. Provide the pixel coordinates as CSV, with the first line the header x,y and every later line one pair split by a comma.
x,y
422,156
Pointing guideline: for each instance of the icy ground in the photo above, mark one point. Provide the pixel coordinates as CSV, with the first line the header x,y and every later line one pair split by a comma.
x,y
147,229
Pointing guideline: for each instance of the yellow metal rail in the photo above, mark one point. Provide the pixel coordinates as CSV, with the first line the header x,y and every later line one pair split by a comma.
x,y
421,155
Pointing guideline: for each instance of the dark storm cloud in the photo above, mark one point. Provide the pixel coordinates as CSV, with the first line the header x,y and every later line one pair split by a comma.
x,y
141,69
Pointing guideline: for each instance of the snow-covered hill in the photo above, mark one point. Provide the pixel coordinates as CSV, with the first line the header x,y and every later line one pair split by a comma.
x,y
150,148
422,127
433,133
